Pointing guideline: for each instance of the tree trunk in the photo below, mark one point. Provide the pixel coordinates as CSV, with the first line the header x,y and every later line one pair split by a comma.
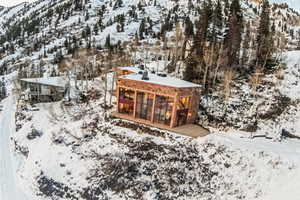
x,y
208,65
218,64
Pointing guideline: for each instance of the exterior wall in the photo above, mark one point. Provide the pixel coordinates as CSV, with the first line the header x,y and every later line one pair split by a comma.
x,y
194,107
176,93
148,87
194,93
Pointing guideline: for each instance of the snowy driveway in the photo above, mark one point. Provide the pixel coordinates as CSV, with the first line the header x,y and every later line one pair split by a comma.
x,y
9,189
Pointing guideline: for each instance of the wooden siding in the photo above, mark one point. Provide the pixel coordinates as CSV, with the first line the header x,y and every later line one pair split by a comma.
x,y
148,87
156,89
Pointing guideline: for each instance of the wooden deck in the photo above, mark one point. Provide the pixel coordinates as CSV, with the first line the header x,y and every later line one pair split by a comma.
x,y
191,130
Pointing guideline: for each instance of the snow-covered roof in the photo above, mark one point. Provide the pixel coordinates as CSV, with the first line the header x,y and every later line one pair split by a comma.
x,y
50,81
166,81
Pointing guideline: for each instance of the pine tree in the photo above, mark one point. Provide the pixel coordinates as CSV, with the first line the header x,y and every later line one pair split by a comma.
x,y
78,4
226,7
233,35
189,72
202,28
107,42
96,29
87,16
87,30
217,22
142,29
196,61
263,42
189,28
136,39
140,6
246,45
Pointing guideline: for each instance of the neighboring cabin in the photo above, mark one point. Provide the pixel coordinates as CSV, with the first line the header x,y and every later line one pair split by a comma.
x,y
46,89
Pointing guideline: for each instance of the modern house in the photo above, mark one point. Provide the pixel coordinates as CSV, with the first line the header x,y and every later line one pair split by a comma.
x,y
156,99
45,89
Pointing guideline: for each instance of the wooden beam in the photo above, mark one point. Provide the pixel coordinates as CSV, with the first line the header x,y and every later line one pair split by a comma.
x,y
152,87
174,117
134,105
147,91
153,108
118,98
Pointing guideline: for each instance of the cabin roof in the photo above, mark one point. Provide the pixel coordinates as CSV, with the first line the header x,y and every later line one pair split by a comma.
x,y
50,81
165,81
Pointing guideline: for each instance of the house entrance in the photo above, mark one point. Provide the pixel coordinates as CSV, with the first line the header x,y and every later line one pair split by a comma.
x,y
144,104
163,110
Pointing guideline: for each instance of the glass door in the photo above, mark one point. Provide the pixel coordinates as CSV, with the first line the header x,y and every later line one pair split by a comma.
x,y
144,105
163,110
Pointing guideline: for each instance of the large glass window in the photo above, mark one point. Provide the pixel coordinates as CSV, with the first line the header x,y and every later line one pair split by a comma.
x,y
144,105
126,101
163,110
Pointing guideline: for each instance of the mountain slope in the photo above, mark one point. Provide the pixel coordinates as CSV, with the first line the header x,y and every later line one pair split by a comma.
x,y
292,3
85,156
47,28
75,151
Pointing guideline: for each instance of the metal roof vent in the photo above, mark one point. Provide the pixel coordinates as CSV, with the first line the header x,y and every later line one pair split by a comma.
x,y
162,75
141,67
145,76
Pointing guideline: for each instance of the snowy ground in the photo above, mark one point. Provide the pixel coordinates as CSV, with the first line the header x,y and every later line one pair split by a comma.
x,y
9,186
75,152
235,167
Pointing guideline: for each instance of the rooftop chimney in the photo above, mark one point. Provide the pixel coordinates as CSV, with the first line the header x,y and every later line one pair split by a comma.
x,y
162,74
145,76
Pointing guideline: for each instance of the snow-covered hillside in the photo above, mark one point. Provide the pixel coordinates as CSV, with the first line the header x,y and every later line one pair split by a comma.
x,y
292,3
51,28
75,152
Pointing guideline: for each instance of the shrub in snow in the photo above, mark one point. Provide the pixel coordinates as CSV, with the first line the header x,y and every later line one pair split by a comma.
x,y
18,127
34,134
164,171
51,188
21,149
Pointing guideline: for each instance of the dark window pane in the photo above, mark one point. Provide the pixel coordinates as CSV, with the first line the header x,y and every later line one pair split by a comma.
x,y
163,110
144,105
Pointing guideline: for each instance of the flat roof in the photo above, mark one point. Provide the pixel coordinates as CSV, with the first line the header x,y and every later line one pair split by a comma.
x,y
50,81
166,81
